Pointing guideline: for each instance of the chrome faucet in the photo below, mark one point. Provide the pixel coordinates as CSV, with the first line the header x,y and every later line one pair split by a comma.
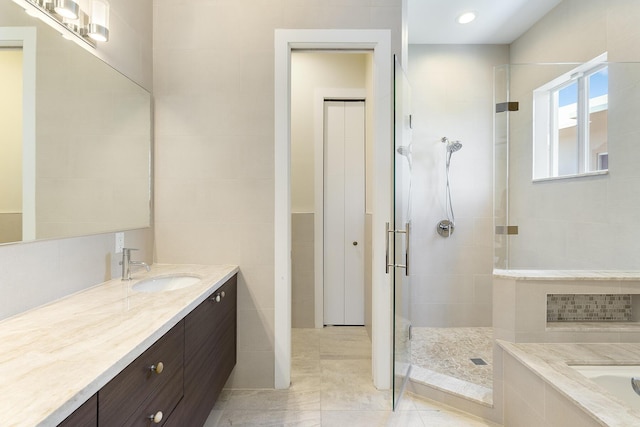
x,y
126,263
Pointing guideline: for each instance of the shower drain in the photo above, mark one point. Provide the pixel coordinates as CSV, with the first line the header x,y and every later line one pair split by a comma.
x,y
478,361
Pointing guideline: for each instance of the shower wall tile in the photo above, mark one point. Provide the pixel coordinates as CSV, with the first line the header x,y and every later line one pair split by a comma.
x,y
483,288
582,223
452,87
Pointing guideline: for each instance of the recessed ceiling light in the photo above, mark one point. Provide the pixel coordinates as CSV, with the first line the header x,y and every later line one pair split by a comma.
x,y
466,17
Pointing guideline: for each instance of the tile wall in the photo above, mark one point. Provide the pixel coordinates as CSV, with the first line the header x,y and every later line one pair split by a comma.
x,y
214,97
302,274
583,223
452,93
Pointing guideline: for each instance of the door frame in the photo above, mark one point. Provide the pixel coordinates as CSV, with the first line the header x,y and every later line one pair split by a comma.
x,y
320,96
378,41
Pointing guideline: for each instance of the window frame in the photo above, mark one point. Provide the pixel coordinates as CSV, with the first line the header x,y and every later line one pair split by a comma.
x,y
546,124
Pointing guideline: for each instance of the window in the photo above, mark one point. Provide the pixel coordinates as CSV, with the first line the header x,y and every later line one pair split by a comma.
x,y
570,123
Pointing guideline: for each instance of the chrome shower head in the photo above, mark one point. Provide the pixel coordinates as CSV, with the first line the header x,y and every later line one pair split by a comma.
x,y
452,146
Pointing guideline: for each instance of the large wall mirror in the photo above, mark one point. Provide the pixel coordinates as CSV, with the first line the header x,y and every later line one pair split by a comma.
x,y
75,137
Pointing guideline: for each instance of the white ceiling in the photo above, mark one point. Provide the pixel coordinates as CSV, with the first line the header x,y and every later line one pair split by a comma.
x,y
497,22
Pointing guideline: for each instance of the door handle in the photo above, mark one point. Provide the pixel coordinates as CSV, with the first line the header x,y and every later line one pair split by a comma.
x,y
406,245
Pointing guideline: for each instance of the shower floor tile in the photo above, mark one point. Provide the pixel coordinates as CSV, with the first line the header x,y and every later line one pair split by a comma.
x,y
450,351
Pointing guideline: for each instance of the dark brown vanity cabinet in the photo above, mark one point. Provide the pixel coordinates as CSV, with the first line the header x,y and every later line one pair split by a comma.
x,y
84,416
210,354
179,376
150,387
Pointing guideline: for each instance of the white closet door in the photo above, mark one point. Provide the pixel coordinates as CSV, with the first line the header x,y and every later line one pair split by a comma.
x,y
344,204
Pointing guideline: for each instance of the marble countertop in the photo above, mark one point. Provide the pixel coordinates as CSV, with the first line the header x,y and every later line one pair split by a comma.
x,y
552,363
54,357
567,274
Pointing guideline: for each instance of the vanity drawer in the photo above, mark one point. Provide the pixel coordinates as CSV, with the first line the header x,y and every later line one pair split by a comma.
x,y
137,385
163,401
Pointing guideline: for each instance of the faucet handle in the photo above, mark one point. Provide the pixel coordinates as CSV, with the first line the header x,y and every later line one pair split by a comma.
x,y
126,255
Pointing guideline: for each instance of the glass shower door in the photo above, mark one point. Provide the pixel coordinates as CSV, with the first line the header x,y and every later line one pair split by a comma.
x,y
401,232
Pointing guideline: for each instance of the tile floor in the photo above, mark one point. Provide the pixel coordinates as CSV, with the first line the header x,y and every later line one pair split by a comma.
x,y
331,386
449,351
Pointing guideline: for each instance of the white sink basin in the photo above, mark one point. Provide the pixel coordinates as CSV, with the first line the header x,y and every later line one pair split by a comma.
x,y
166,283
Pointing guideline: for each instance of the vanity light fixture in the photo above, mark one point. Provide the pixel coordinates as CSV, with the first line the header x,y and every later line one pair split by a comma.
x,y
466,18
67,9
98,28
83,21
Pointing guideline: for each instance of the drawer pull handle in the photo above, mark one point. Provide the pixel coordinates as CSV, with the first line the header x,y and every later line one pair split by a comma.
x,y
157,418
157,368
218,297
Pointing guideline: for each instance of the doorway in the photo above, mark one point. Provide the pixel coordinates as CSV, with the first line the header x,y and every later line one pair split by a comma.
x,y
379,42
24,40
11,148
323,82
344,212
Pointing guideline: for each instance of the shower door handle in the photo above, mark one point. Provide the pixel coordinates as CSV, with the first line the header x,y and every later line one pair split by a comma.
x,y
386,245
406,254
406,249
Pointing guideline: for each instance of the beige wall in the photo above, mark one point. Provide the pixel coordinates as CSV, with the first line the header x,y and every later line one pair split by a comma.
x,y
10,144
310,72
35,273
452,94
580,223
214,94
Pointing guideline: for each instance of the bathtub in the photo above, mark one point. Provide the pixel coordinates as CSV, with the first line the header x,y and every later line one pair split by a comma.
x,y
616,379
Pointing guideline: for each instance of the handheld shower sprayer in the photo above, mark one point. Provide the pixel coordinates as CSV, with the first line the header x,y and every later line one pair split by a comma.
x,y
452,146
446,226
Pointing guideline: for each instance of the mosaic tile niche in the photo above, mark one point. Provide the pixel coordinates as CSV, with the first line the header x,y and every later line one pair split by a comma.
x,y
589,307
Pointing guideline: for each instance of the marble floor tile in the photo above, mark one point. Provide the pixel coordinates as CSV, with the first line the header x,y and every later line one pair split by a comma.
x,y
269,418
331,386
371,419
274,400
222,400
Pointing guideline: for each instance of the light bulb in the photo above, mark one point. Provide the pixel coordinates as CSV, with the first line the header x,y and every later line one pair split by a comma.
x,y
67,8
466,17
99,20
